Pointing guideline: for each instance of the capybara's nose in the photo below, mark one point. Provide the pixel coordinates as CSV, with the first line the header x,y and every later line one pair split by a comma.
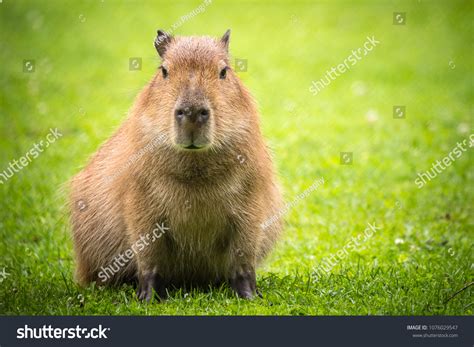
x,y
194,114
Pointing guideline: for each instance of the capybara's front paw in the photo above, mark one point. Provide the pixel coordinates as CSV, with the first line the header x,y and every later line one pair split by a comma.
x,y
244,284
144,293
149,283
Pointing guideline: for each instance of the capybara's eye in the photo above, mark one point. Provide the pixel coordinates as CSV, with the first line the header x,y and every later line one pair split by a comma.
x,y
164,71
223,73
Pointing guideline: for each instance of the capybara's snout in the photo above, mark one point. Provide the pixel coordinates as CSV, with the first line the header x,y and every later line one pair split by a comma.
x,y
192,123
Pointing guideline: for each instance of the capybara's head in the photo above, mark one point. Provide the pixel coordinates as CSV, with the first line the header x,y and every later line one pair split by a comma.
x,y
196,100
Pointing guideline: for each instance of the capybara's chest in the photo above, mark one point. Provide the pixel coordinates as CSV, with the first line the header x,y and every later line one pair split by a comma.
x,y
201,218
199,239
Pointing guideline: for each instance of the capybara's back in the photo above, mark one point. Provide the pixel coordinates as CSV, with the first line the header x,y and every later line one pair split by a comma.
x,y
182,193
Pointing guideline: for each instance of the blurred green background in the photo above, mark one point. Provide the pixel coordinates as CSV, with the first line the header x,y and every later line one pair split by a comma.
x,y
82,85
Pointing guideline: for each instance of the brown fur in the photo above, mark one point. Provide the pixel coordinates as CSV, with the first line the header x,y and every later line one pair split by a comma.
x,y
213,200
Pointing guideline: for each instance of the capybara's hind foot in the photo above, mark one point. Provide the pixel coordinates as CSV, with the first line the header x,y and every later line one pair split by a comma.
x,y
244,284
149,283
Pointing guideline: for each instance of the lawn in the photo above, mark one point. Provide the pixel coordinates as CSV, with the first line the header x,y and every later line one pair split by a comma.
x,y
65,65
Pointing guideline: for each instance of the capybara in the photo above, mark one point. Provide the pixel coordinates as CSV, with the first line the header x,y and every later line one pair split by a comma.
x,y
181,193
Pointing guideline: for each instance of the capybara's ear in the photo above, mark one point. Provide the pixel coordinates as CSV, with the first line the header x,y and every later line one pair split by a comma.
x,y
161,42
225,40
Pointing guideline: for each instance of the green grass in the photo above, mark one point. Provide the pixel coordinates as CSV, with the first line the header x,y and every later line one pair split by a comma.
x,y
83,87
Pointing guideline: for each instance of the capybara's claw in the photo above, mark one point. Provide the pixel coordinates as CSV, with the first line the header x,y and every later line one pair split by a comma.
x,y
244,284
150,284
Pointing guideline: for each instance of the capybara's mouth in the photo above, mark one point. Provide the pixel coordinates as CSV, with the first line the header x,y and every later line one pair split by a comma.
x,y
192,147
